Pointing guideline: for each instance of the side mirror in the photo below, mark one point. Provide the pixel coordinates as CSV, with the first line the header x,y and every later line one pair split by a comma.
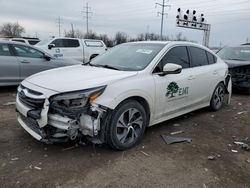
x,y
171,68
48,58
50,46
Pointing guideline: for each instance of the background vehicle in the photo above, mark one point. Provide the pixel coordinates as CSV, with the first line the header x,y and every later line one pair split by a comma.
x,y
72,48
238,60
18,61
113,98
26,40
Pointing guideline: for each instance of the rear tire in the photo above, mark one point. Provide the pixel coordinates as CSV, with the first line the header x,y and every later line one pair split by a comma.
x,y
126,126
218,96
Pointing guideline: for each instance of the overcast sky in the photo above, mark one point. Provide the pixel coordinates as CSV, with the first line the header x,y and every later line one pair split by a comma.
x,y
230,19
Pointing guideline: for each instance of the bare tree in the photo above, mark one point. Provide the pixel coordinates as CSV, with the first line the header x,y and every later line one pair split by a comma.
x,y
120,38
91,35
108,41
74,34
12,30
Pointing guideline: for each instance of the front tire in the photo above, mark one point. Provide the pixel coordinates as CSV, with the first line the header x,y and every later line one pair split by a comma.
x,y
126,126
217,99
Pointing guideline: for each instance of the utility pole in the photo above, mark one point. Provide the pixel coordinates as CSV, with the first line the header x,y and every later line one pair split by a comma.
x,y
59,23
86,11
72,30
162,13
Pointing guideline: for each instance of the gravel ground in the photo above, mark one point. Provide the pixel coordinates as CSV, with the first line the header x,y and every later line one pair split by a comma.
x,y
24,162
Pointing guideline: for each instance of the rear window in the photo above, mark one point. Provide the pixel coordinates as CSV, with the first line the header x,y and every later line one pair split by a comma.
x,y
93,43
4,50
198,56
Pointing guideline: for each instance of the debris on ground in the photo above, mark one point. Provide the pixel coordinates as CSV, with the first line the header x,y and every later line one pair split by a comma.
x,y
9,103
177,125
15,159
37,168
243,112
245,144
211,157
145,153
69,148
248,160
212,116
234,151
177,132
239,103
174,139
45,155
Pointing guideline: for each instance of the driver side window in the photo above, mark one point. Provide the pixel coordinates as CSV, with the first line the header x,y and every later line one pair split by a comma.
x,y
177,55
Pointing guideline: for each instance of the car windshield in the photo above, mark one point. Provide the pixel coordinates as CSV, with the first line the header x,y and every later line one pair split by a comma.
x,y
129,56
235,53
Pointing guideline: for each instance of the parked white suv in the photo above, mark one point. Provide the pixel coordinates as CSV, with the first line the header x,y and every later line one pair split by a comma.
x,y
113,98
72,48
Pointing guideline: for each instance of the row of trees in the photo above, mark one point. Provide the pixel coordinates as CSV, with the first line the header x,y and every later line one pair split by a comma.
x,y
121,37
16,30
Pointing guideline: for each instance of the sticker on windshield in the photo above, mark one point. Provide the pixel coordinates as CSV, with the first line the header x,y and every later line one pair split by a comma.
x,y
144,51
245,51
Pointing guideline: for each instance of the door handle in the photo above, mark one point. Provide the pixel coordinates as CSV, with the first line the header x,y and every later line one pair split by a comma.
x,y
191,77
215,73
25,61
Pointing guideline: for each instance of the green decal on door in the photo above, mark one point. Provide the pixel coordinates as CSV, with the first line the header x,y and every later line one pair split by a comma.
x,y
173,90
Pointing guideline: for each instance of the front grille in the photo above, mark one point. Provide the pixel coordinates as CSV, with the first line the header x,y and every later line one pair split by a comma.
x,y
35,102
240,73
32,124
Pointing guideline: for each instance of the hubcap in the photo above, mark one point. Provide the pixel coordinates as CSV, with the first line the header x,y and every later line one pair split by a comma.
x,y
218,97
129,126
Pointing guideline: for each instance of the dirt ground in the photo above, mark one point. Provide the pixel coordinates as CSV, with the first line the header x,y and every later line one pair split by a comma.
x,y
24,162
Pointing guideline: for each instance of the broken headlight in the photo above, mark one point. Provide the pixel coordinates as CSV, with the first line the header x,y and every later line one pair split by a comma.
x,y
72,103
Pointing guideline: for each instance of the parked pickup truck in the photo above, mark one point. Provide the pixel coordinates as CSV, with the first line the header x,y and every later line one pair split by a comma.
x,y
73,48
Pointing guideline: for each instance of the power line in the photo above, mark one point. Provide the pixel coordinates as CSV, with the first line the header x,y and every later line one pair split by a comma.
x,y
86,11
59,23
162,13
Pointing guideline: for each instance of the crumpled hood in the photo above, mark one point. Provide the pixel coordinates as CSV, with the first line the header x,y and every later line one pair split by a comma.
x,y
77,77
235,63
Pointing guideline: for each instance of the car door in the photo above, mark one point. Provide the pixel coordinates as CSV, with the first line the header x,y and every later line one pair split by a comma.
x,y
9,66
204,75
31,60
173,91
67,48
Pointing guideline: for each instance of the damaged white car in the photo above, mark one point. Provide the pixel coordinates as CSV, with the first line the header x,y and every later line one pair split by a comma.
x,y
113,98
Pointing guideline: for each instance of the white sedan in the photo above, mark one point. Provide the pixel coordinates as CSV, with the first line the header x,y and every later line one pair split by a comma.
x,y
113,98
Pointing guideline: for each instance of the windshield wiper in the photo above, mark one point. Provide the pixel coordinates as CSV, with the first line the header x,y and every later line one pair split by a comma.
x,y
105,66
236,59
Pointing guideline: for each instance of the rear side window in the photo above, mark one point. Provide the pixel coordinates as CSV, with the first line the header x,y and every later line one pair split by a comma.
x,y
71,43
211,58
198,56
16,40
25,51
33,42
93,43
66,43
4,50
